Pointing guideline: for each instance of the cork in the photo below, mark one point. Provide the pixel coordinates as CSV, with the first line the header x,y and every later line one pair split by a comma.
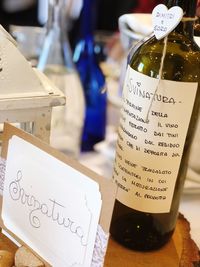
x,y
24,258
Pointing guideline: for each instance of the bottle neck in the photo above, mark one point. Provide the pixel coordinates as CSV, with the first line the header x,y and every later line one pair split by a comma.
x,y
56,15
188,6
186,26
87,19
56,50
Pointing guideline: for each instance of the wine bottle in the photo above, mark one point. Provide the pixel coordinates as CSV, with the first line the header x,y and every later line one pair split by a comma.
x,y
57,63
92,79
157,124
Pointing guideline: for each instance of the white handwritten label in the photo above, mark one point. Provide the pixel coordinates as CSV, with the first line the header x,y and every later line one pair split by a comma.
x,y
164,20
50,206
149,152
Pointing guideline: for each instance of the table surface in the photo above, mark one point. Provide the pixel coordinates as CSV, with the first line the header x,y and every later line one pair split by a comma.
x,y
179,251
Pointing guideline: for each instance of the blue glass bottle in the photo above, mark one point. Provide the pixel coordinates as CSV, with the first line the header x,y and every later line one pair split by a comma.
x,y
92,78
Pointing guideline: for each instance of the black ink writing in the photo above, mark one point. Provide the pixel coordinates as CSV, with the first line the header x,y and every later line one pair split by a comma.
x,y
154,197
126,171
133,116
148,142
171,135
138,127
159,114
159,134
122,186
170,145
129,163
165,15
149,187
132,105
134,89
127,132
169,125
156,171
155,153
160,28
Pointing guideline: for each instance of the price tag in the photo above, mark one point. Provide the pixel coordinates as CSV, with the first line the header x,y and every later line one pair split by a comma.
x,y
165,20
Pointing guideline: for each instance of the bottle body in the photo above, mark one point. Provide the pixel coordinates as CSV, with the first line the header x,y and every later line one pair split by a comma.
x,y
67,121
150,170
56,62
93,81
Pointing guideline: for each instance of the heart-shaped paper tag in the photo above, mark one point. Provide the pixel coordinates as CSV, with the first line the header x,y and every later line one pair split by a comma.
x,y
165,20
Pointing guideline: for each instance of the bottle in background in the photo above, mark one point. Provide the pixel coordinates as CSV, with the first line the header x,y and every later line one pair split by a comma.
x,y
92,78
158,121
56,62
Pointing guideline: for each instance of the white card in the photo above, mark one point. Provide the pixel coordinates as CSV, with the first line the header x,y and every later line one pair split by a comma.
x,y
165,20
52,207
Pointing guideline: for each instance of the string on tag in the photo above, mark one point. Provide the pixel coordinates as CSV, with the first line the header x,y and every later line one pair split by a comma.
x,y
185,19
159,76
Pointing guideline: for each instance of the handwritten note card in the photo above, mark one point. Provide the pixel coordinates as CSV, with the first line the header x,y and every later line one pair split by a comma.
x,y
50,206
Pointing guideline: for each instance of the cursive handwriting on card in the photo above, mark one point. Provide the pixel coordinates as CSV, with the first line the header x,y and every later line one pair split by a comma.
x,y
52,210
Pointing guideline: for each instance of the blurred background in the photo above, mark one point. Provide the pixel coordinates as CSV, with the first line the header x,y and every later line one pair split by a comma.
x,y
107,13
32,12
82,46
80,38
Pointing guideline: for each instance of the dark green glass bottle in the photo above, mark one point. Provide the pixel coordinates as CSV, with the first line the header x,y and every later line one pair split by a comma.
x,y
152,151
